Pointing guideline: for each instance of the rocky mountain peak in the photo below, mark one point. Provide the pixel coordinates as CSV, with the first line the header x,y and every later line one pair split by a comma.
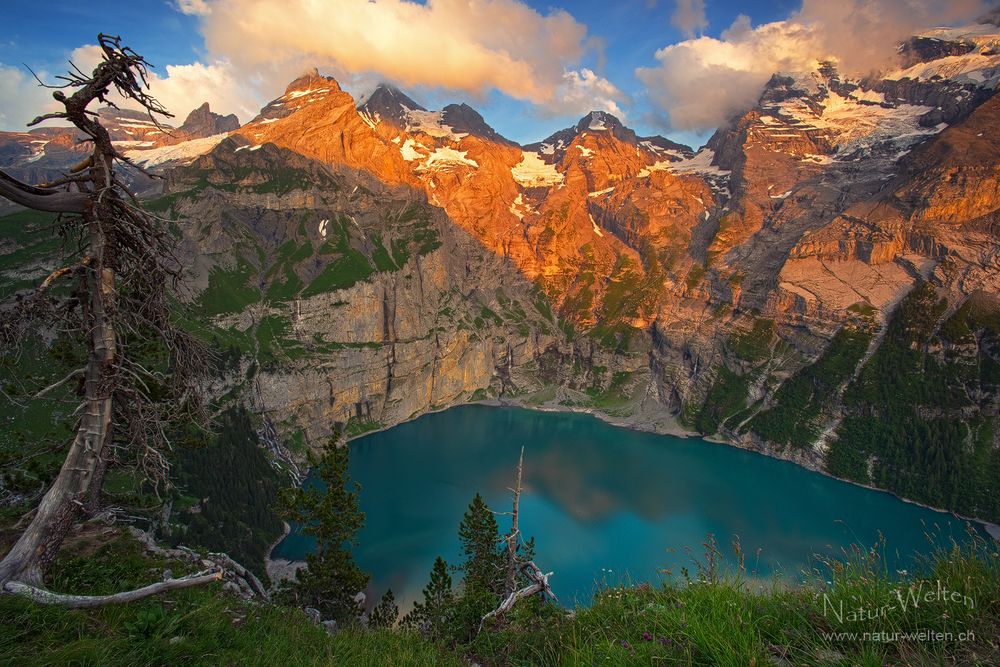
x,y
463,118
312,80
203,122
597,121
389,104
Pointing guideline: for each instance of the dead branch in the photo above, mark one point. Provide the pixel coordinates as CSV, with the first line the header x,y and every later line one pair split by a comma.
x,y
42,200
238,579
42,596
59,383
539,584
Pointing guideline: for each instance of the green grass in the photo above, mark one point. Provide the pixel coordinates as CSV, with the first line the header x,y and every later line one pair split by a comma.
x,y
615,395
200,626
357,426
228,291
710,614
341,273
755,344
733,619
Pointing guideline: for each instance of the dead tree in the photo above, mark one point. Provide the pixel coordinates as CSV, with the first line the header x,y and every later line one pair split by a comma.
x,y
515,532
538,581
117,284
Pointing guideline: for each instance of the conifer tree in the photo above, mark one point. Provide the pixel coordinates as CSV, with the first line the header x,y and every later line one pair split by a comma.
x,y
386,612
331,579
433,616
484,563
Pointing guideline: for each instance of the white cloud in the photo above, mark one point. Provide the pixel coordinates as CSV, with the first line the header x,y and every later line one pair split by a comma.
x,y
194,7
466,45
689,17
700,83
582,91
22,99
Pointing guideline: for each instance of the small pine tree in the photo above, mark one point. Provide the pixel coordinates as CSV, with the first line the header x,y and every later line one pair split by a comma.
x,y
331,579
432,617
484,561
386,612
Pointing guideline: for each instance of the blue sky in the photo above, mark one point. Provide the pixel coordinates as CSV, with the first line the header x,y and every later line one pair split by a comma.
x,y
620,37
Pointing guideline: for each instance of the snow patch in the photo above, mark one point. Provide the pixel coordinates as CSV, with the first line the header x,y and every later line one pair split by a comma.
x,y
520,207
856,129
447,158
976,69
431,124
533,172
322,227
700,163
586,152
409,151
597,230
295,94
601,192
597,122
184,152
370,119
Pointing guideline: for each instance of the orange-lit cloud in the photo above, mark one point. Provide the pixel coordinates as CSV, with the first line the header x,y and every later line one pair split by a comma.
x,y
464,45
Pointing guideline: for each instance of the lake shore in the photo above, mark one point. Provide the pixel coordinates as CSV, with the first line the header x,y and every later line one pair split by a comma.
x,y
667,425
647,418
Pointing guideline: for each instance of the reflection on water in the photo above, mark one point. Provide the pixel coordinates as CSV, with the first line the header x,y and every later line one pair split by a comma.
x,y
604,503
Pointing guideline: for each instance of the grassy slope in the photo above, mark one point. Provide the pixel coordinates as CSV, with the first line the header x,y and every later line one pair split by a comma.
x,y
712,619
200,626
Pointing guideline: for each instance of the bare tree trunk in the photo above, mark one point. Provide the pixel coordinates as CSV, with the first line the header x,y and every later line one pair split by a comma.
x,y
93,504
43,596
511,584
32,554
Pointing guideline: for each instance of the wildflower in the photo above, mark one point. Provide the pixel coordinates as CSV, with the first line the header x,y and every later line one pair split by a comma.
x,y
647,637
665,642
626,645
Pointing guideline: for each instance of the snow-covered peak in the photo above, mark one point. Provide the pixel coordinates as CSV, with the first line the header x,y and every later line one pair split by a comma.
x,y
599,121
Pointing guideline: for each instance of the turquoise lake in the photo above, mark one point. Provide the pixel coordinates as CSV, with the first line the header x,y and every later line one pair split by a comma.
x,y
606,504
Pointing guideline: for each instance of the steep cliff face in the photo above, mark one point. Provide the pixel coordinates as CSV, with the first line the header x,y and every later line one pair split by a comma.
x,y
345,302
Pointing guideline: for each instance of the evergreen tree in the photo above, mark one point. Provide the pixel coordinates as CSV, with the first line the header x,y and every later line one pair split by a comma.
x,y
331,579
386,613
433,616
484,560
